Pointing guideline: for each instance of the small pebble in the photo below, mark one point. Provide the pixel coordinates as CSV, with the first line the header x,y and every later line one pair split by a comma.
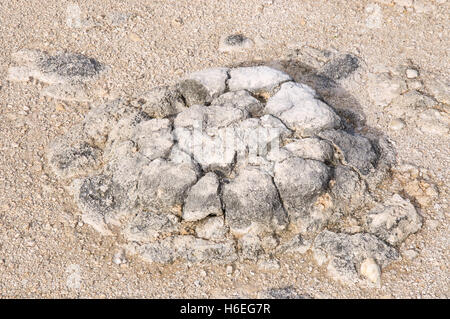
x,y
371,270
397,124
119,258
229,270
410,254
411,73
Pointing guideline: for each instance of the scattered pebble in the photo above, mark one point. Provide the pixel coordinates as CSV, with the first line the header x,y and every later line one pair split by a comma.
x,y
119,258
235,43
371,270
397,124
410,254
412,73
229,270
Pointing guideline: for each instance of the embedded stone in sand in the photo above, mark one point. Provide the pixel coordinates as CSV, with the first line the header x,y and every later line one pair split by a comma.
x,y
66,73
232,164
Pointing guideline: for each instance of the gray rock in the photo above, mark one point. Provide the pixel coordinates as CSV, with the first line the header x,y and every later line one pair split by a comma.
x,y
340,67
193,92
356,151
296,245
66,73
101,201
203,199
251,199
250,247
147,226
394,220
343,254
349,191
153,138
299,182
100,120
212,153
162,102
311,148
162,185
63,67
212,228
234,164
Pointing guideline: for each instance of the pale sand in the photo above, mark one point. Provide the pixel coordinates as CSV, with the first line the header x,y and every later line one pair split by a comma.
x,y
46,252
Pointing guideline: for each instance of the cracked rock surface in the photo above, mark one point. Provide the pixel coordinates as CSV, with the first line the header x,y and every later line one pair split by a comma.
x,y
235,164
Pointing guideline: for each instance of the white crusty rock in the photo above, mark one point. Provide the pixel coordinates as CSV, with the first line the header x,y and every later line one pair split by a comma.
x,y
296,105
71,157
311,148
162,185
214,80
234,164
256,78
161,102
394,220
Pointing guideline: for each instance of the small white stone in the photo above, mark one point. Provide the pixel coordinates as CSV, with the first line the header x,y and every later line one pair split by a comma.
x,y
410,254
119,258
229,270
371,270
256,78
412,73
397,124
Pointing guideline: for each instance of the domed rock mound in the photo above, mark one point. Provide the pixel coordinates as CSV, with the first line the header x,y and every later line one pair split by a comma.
x,y
235,164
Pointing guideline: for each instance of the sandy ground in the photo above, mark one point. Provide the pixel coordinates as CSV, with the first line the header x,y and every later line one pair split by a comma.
x,y
45,251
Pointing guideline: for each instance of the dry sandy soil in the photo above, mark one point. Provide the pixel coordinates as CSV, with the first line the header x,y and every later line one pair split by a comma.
x,y
46,251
